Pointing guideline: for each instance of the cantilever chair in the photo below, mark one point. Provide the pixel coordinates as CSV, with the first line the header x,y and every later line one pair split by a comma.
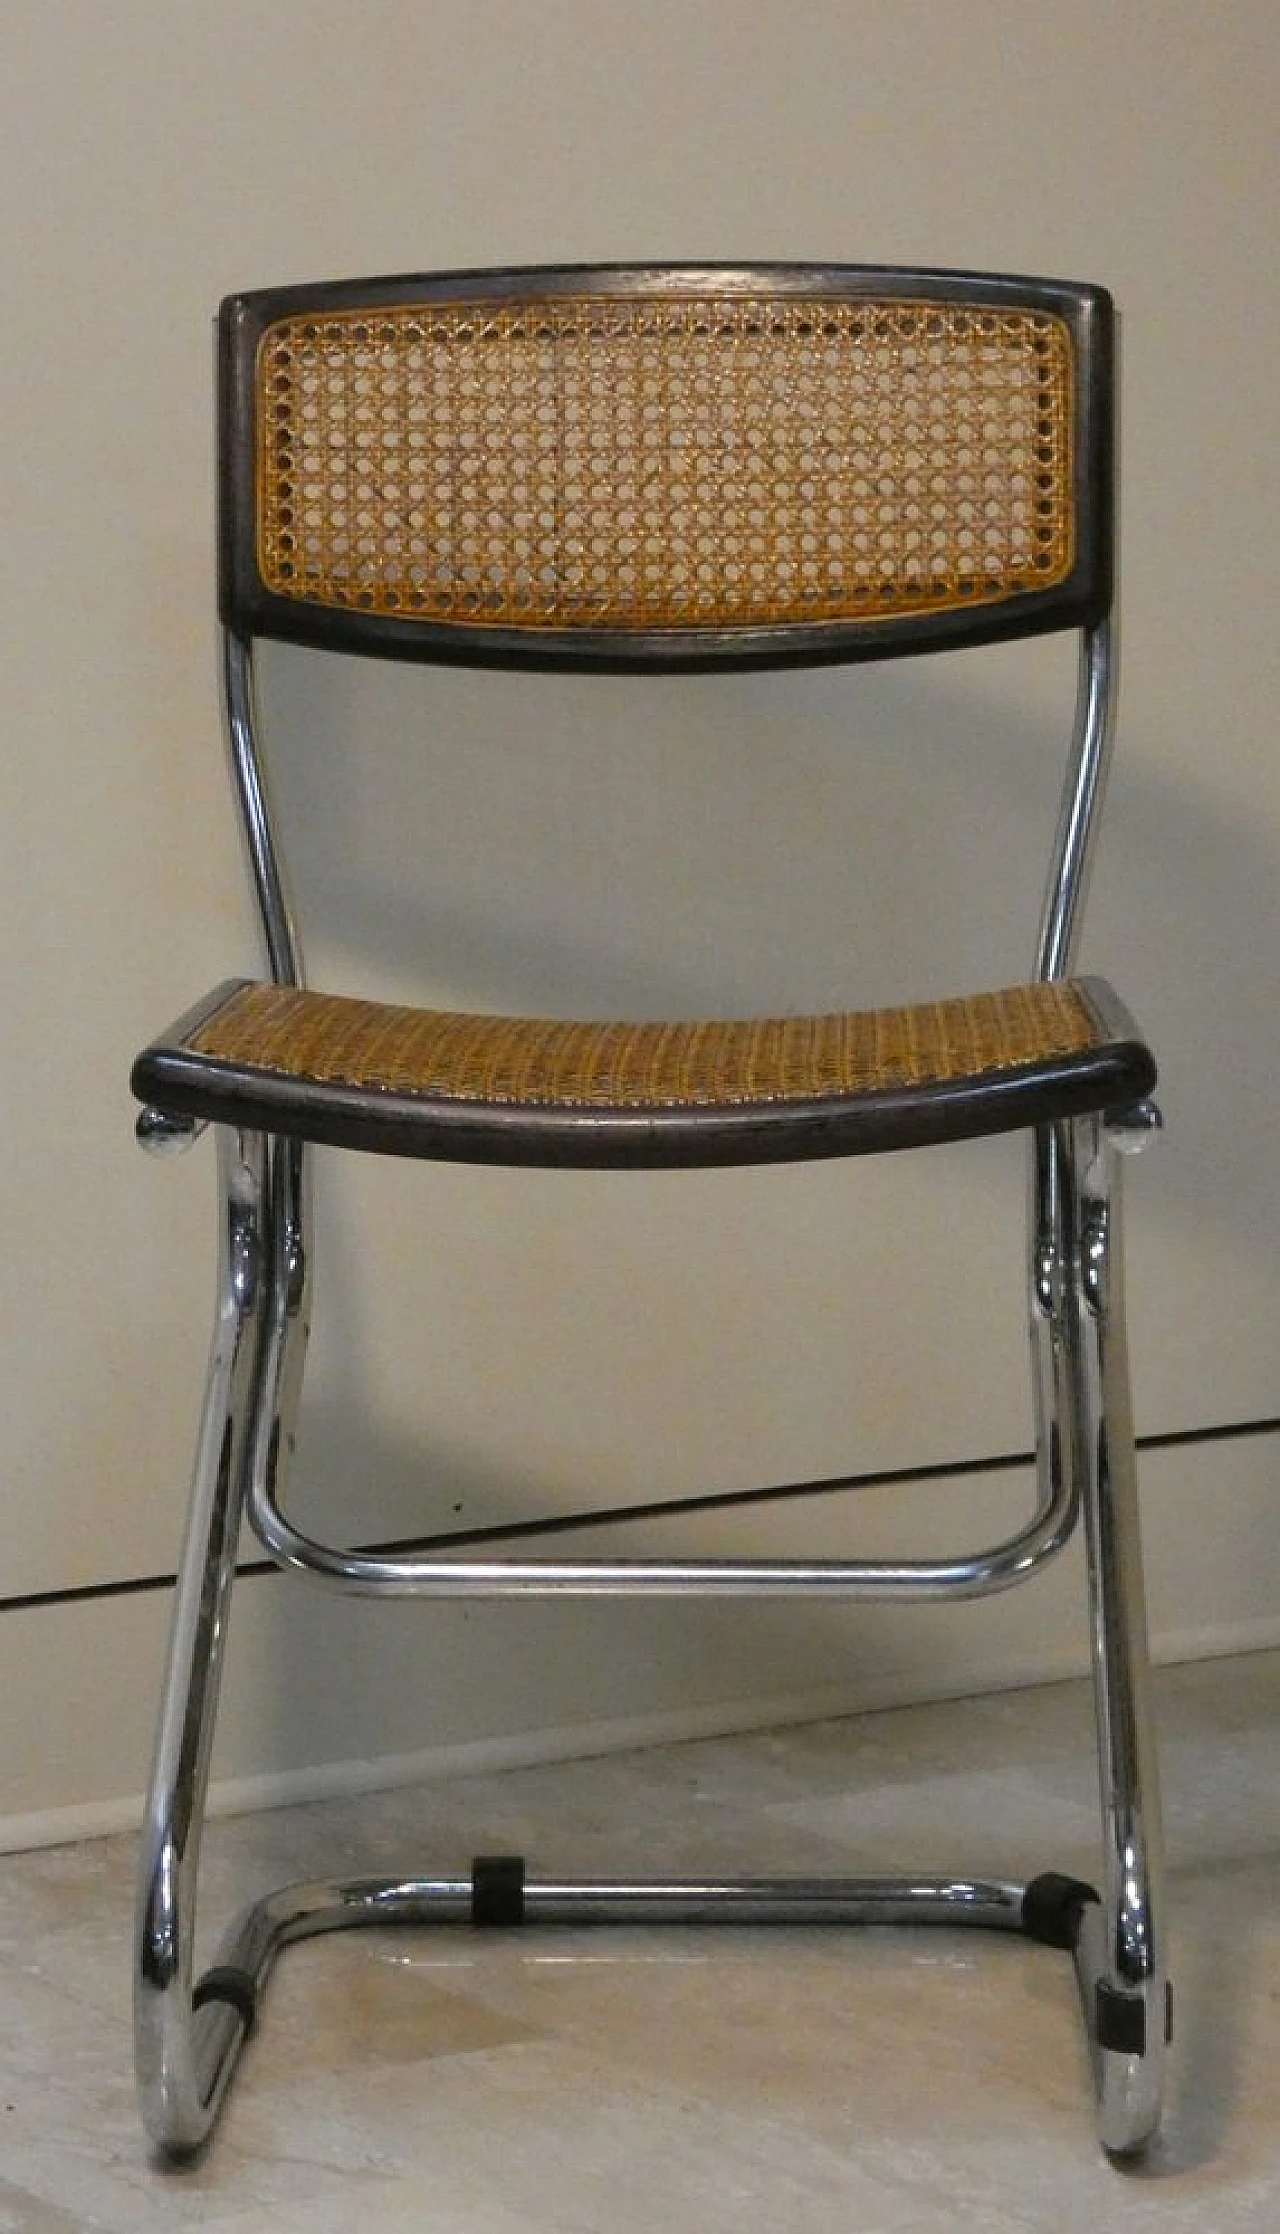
x,y
657,469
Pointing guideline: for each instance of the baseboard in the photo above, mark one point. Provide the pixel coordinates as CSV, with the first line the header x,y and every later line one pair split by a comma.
x,y
347,1779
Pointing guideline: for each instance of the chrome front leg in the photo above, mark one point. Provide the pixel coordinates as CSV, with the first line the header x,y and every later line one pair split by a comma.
x,y
1120,1953
187,2037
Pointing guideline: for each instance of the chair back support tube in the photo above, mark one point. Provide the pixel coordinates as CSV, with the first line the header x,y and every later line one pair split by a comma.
x,y
257,816
1088,763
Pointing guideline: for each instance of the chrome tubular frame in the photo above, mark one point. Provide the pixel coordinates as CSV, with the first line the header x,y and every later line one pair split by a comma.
x,y
189,2033
406,1574
302,1911
1120,1954
409,1574
186,2043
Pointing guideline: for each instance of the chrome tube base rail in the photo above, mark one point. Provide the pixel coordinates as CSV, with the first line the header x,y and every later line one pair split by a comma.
x,y
498,1895
190,2031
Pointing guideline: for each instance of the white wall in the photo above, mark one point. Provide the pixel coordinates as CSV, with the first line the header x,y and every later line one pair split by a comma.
x,y
561,1346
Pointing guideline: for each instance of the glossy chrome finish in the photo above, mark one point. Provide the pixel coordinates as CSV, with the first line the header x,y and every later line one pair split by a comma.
x,y
249,1950
906,1582
303,1911
184,2059
1083,789
1076,1214
1121,1952
407,1574
163,1134
189,2033
257,817
1133,1129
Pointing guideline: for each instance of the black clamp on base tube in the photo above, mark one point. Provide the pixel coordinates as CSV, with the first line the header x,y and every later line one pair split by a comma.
x,y
497,1891
1121,2018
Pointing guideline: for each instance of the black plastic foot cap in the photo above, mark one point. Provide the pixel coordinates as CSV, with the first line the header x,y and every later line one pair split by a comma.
x,y
1052,1907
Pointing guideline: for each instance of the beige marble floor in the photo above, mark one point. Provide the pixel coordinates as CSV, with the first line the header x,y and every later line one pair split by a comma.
x,y
592,2083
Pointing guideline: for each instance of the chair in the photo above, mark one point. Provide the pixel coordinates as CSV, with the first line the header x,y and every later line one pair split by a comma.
x,y
644,469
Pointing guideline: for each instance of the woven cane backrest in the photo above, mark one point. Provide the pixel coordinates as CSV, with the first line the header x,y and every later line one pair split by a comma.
x,y
773,464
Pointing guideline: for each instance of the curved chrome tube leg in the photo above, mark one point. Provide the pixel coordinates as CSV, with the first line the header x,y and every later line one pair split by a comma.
x,y
187,2042
1120,1955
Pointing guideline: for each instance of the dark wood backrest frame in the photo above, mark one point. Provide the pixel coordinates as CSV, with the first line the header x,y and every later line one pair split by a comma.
x,y
249,609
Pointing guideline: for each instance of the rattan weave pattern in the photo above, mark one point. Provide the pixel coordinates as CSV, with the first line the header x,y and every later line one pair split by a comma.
x,y
332,1040
677,461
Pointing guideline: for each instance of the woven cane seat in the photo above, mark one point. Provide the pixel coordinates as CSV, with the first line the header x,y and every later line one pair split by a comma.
x,y
484,1088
